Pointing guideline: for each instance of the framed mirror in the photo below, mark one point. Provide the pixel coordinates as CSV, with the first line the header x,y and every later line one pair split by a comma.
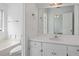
x,y
57,20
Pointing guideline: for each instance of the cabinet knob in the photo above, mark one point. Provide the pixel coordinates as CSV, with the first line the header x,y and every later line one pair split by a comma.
x,y
53,53
33,14
67,54
78,50
41,50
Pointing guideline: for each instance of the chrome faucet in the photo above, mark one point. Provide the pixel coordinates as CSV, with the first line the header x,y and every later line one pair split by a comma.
x,y
56,36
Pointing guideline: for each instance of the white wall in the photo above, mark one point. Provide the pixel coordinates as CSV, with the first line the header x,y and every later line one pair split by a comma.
x,y
31,21
3,33
15,20
31,24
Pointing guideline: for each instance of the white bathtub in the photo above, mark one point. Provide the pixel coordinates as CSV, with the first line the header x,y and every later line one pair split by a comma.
x,y
16,51
6,45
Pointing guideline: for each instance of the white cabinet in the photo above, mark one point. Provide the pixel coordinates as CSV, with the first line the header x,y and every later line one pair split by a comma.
x,y
35,48
51,49
46,49
73,51
54,50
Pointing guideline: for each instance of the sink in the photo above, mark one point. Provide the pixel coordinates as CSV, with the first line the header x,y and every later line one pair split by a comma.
x,y
53,38
57,38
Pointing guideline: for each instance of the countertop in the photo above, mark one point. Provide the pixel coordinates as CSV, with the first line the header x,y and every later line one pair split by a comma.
x,y
61,39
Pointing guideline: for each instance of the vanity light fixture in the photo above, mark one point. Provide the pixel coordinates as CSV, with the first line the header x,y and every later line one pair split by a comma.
x,y
57,15
57,5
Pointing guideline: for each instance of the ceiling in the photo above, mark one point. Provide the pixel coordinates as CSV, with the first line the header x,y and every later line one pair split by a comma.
x,y
47,5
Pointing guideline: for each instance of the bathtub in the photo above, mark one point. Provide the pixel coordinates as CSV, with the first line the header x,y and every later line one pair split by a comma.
x,y
16,51
6,45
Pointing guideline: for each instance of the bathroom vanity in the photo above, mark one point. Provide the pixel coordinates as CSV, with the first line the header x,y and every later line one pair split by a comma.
x,y
46,45
59,23
60,26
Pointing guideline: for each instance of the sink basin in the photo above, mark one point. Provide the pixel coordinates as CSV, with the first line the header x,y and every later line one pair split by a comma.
x,y
53,38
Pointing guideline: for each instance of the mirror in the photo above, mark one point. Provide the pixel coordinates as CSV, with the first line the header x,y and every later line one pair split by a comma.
x,y
1,20
55,24
57,20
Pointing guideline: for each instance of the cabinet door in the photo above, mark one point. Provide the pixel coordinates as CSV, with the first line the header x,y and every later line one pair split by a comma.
x,y
35,48
53,50
73,51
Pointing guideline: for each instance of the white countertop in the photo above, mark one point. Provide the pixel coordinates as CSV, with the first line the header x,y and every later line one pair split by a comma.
x,y
62,39
6,43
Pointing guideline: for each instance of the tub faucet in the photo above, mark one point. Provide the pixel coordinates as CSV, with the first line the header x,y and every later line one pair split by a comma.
x,y
56,36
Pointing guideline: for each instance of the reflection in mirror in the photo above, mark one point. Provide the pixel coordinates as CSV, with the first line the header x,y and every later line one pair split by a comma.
x,y
60,24
56,23
57,20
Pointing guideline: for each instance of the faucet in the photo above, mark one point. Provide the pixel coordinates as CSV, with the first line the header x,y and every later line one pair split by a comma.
x,y
56,36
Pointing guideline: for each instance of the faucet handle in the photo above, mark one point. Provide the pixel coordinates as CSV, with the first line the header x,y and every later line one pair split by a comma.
x,y
56,36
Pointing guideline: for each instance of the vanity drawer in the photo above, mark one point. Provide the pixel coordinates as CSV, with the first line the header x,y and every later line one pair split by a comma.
x,y
53,50
35,48
73,51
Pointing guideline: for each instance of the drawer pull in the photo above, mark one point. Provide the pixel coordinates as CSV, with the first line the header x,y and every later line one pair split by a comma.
x,y
67,54
53,53
78,50
41,50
